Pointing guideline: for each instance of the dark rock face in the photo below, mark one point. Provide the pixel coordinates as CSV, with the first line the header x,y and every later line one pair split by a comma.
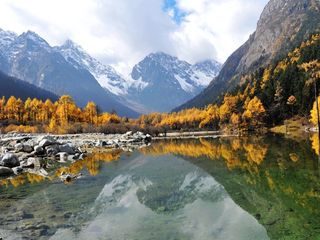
x,y
283,25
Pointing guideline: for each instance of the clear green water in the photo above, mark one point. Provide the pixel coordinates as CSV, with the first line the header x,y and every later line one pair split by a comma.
x,y
237,188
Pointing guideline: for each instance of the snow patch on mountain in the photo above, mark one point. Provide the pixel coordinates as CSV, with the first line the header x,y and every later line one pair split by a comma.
x,y
189,77
106,75
6,38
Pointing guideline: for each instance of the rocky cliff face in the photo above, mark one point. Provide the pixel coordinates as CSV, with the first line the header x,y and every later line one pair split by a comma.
x,y
278,27
283,25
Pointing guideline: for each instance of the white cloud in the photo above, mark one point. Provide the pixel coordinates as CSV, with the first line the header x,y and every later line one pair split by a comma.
x,y
224,24
122,32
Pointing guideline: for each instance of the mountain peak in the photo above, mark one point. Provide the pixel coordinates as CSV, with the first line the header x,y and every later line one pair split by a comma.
x,y
105,74
6,38
161,57
71,45
34,37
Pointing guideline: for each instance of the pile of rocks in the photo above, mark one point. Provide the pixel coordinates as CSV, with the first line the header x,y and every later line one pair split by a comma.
x,y
27,154
127,142
31,153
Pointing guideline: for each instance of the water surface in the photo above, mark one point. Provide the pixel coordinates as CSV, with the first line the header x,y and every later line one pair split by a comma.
x,y
235,188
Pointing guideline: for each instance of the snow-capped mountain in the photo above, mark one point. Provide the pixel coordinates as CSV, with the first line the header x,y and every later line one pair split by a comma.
x,y
105,74
206,70
158,73
159,82
166,82
30,58
6,38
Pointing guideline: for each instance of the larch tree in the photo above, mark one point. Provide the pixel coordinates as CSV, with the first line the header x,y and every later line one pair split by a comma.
x,y
254,112
91,113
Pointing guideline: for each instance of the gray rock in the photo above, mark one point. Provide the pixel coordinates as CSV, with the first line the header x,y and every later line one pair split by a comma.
x,y
17,170
48,137
35,162
27,148
128,133
20,147
38,150
5,171
102,143
67,148
45,142
10,160
52,150
148,138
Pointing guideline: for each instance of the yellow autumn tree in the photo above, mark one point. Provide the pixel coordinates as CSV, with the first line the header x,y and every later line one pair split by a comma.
x,y
91,113
254,112
2,108
11,108
48,110
65,109
210,117
314,114
228,107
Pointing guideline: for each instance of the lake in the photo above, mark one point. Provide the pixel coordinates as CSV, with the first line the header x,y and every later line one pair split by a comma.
x,y
229,188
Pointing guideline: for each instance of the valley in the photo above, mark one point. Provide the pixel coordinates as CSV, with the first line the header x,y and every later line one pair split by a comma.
x,y
113,131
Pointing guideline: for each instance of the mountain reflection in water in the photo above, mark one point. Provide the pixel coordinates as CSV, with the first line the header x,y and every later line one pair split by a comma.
x,y
228,188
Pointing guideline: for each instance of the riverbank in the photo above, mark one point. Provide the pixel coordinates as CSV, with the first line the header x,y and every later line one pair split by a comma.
x,y
297,128
37,153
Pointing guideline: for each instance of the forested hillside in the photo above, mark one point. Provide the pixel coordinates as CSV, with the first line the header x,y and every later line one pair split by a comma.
x,y
10,86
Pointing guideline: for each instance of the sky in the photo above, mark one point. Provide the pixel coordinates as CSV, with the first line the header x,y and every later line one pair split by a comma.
x,y
122,32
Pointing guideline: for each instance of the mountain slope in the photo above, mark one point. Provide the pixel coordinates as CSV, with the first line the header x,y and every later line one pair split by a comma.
x,y
106,75
10,86
31,58
162,82
283,25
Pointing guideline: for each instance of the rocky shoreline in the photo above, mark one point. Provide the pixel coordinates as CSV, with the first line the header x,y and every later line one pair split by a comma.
x,y
35,153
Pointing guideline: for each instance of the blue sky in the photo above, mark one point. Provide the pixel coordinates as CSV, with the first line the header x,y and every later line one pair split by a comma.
x,y
171,5
122,32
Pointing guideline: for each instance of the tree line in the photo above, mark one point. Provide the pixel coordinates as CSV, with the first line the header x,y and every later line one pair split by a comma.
x,y
264,98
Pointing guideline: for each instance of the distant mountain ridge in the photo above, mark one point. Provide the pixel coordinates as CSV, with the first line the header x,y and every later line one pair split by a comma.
x,y
30,58
164,82
159,82
176,81
283,25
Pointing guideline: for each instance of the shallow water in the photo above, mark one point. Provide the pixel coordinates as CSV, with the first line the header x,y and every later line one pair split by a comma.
x,y
235,188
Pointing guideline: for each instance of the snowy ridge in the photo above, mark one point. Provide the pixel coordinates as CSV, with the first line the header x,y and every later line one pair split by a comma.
x,y
189,77
106,75
6,39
